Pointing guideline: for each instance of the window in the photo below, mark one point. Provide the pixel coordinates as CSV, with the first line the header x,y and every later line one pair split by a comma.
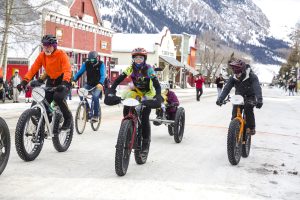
x,y
82,7
59,33
103,45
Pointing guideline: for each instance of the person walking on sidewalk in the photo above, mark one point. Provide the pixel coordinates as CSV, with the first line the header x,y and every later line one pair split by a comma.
x,y
15,81
220,83
199,80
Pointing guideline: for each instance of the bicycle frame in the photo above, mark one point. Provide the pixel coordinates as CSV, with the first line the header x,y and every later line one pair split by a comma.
x,y
240,118
41,106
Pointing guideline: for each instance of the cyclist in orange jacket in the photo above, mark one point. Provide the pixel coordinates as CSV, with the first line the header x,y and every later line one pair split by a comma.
x,y
57,66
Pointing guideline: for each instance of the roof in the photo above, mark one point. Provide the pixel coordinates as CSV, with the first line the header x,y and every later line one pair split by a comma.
x,y
172,61
95,5
127,42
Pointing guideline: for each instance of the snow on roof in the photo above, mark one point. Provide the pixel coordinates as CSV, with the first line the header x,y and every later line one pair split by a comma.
x,y
126,42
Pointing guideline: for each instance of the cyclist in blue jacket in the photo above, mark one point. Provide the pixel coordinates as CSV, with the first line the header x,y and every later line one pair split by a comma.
x,y
95,72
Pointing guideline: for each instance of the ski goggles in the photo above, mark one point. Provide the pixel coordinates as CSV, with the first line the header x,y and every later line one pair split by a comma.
x,y
138,59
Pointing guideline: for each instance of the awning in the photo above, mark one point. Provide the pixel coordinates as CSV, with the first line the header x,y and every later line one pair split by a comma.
x,y
191,70
172,61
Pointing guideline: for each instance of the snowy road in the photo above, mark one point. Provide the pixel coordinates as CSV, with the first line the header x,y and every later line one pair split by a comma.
x,y
197,168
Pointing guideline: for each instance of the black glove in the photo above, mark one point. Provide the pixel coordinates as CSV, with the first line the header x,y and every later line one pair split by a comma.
x,y
153,103
259,104
219,102
63,86
110,98
22,85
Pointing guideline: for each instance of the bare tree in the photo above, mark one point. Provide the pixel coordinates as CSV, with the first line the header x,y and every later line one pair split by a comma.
x,y
19,19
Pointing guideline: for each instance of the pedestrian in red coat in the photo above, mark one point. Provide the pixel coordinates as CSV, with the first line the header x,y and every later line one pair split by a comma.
x,y
28,93
199,80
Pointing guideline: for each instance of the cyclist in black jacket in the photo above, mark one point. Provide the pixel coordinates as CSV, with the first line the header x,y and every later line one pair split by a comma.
x,y
247,85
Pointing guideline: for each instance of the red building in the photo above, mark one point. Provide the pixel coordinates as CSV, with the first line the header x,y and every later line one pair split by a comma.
x,y
80,32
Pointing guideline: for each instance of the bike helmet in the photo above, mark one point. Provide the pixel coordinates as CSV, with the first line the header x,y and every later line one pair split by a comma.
x,y
49,40
238,66
140,52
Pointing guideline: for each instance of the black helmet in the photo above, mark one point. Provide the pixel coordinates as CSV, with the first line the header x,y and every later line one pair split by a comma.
x,y
49,39
238,66
92,55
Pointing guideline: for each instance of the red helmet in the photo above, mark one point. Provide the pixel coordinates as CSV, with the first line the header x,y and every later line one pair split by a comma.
x,y
238,66
140,52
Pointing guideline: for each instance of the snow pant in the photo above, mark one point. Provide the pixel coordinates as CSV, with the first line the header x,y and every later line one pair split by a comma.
x,y
16,94
199,92
146,129
250,118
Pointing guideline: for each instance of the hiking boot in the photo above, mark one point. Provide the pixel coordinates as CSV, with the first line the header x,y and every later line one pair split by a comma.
x,y
250,131
67,124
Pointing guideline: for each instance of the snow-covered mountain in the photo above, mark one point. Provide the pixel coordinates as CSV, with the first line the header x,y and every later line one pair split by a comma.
x,y
240,23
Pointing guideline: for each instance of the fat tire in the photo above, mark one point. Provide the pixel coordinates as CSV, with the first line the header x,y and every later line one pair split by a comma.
x,y
246,147
124,137
56,131
19,139
6,144
179,118
233,152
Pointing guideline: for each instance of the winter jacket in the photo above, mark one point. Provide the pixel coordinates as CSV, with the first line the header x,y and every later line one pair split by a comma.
x,y
15,80
199,82
95,73
248,86
57,64
172,100
220,82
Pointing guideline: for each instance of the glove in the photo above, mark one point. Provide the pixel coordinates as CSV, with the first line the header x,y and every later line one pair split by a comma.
x,y
111,98
259,104
153,103
99,87
22,85
219,102
63,86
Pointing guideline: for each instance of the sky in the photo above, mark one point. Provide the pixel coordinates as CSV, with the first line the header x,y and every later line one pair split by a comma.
x,y
283,15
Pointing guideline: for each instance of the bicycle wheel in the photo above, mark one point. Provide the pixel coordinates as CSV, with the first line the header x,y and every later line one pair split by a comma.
x,y
95,125
29,142
62,139
4,144
179,125
246,145
123,151
80,118
234,147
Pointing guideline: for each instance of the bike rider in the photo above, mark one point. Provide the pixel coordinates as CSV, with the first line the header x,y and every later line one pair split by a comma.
x,y
57,66
146,88
95,72
247,85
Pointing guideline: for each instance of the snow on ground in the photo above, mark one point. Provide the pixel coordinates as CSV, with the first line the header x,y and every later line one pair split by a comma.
x,y
197,168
